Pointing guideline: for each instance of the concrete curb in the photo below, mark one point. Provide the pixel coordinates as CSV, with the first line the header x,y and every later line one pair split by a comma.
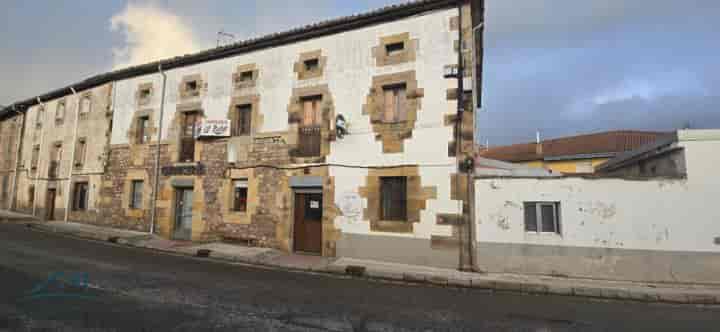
x,y
636,293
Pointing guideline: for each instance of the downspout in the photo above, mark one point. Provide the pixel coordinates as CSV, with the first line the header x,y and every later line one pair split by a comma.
x,y
21,134
156,180
38,168
72,154
463,260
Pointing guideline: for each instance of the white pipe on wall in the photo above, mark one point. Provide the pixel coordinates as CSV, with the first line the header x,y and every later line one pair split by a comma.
x,y
72,154
156,182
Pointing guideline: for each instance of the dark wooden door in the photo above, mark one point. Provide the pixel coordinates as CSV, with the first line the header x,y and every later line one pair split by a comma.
x,y
50,205
308,223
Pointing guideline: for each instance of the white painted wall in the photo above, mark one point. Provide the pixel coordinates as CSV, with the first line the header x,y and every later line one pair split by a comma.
x,y
349,72
665,215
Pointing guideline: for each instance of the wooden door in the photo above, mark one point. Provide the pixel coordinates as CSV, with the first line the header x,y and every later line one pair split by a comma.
x,y
308,223
183,214
50,205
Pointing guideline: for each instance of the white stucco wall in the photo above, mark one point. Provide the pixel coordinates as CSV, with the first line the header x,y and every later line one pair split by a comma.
x,y
348,74
664,215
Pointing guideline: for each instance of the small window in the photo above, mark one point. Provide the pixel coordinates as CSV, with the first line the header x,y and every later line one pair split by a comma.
x,y
243,119
239,202
31,195
60,112
191,86
80,196
395,103
394,48
246,76
85,104
145,93
39,117
35,156
143,130
312,64
136,194
542,217
393,197
80,151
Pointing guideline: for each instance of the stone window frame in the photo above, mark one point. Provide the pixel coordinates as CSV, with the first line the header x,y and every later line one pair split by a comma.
x,y
81,155
256,118
132,133
140,98
39,116
60,119
242,69
84,113
302,72
393,134
186,93
226,194
407,55
75,186
136,175
417,197
176,128
295,115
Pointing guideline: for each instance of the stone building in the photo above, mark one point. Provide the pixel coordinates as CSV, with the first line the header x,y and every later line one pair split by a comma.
x,y
240,142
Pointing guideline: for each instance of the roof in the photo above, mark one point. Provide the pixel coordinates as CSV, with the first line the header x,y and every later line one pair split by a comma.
x,y
596,145
493,168
324,28
659,147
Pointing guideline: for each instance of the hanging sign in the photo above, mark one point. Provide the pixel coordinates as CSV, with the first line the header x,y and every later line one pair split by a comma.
x,y
214,128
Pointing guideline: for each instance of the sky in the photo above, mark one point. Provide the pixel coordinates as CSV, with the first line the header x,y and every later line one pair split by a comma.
x,y
557,67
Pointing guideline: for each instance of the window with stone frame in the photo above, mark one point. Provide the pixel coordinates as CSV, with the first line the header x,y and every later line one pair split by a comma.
x,y
136,194
85,104
55,158
144,94
310,132
312,65
187,136
80,152
239,196
143,130
39,116
394,48
246,76
191,87
393,198
34,157
60,112
80,196
243,120
395,103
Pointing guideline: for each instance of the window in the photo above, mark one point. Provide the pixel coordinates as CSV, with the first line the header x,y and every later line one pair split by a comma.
x,y
85,104
35,156
395,100
136,194
312,64
243,120
542,217
311,111
187,136
55,157
80,196
60,111
80,151
31,195
239,200
394,48
39,117
393,198
191,86
145,93
246,76
143,130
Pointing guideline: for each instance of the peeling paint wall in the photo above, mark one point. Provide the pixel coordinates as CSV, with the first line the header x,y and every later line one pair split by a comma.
x,y
658,222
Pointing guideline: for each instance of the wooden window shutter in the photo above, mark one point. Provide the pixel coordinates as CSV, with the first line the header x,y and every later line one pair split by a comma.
x,y
401,106
389,114
308,112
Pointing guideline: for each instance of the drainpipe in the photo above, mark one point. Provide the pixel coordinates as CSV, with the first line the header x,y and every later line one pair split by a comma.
x,y
72,154
21,134
38,168
156,181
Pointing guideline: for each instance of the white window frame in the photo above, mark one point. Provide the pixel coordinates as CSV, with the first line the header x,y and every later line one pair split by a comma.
x,y
538,218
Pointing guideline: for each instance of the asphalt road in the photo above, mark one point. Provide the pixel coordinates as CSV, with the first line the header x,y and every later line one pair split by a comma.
x,y
114,288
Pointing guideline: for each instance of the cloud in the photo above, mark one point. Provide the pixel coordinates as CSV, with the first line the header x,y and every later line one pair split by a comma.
x,y
150,33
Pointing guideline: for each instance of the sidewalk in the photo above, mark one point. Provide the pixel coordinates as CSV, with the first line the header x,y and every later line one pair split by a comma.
x,y
532,284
